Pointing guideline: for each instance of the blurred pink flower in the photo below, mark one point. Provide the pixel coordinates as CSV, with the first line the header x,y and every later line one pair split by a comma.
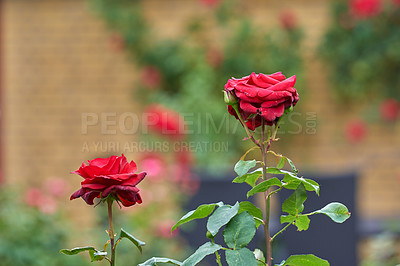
x,y
164,229
288,20
210,3
116,42
355,131
48,205
389,109
34,197
214,57
365,8
155,166
396,2
56,186
151,77
165,121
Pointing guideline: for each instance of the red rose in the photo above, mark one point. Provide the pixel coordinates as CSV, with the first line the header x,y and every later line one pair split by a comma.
x,y
110,176
151,77
210,3
165,121
116,42
288,20
396,2
365,8
355,131
390,109
214,57
262,97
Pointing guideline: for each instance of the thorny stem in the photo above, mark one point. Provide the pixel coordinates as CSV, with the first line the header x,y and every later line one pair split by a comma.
x,y
264,150
267,198
218,258
267,194
111,232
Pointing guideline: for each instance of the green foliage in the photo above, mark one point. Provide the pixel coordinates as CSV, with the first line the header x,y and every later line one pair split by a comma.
x,y
77,250
30,237
264,186
240,257
156,261
304,260
97,255
242,167
221,217
363,54
294,204
201,212
240,231
336,211
292,182
246,206
134,240
250,178
203,251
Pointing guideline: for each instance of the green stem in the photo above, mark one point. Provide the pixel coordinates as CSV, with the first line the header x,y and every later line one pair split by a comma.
x,y
111,232
267,194
283,229
218,258
267,198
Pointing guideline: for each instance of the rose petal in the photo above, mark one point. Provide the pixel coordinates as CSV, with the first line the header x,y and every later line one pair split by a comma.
x,y
270,114
78,193
247,107
90,196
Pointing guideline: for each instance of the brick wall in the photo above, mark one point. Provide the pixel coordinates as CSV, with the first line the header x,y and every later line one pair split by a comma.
x,y
58,66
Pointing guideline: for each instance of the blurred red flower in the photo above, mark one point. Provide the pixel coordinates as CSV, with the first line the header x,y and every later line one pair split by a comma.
x,y
365,8
389,109
214,57
151,77
164,229
155,165
288,20
210,3
56,186
34,197
164,121
116,42
396,2
355,131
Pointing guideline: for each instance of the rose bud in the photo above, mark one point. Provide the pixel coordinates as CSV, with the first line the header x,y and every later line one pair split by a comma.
x,y
229,98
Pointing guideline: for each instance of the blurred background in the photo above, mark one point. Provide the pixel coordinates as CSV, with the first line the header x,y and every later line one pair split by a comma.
x,y
82,79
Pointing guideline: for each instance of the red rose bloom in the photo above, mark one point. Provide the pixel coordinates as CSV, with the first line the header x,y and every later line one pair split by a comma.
x,y
288,20
165,121
210,3
151,77
262,97
110,176
390,109
355,131
365,8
